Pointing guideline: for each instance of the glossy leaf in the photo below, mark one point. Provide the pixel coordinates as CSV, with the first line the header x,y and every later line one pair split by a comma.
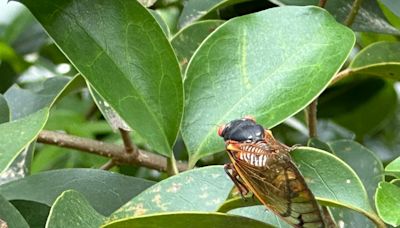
x,y
369,168
187,40
332,181
16,135
387,201
378,59
4,110
183,220
10,215
254,65
23,102
127,60
104,190
369,18
202,189
34,213
71,209
394,167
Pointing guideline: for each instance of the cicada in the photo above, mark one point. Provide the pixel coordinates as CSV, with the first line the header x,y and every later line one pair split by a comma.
x,y
262,165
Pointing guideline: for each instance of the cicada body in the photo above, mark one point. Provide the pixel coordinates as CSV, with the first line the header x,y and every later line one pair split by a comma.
x,y
262,165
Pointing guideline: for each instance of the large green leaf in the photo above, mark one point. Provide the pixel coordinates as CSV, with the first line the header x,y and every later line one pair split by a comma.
x,y
369,18
187,40
183,220
119,47
202,189
16,135
387,201
10,215
369,168
378,59
255,65
104,190
71,209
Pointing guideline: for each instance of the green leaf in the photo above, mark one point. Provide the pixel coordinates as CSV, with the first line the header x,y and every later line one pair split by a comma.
x,y
387,201
10,215
71,209
16,135
369,168
23,102
104,190
394,167
260,213
345,217
187,40
4,110
332,181
187,219
202,189
127,60
379,59
34,213
226,78
369,18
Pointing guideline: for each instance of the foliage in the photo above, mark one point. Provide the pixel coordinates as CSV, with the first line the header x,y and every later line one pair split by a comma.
x,y
137,85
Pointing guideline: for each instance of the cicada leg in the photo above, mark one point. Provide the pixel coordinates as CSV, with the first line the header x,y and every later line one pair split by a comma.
x,y
233,174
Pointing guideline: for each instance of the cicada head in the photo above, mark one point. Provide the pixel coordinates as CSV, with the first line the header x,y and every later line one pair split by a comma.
x,y
242,130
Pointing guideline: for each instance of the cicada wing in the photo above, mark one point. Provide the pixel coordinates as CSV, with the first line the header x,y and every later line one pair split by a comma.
x,y
280,187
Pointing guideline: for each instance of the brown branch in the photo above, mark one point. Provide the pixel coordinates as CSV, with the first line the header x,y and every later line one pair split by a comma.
x,y
312,118
115,152
353,13
322,3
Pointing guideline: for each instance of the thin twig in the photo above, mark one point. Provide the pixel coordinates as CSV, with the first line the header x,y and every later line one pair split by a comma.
x,y
108,165
353,12
322,3
130,148
342,74
113,151
312,119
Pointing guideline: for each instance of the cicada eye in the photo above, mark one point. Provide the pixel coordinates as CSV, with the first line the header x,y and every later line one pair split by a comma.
x,y
221,130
